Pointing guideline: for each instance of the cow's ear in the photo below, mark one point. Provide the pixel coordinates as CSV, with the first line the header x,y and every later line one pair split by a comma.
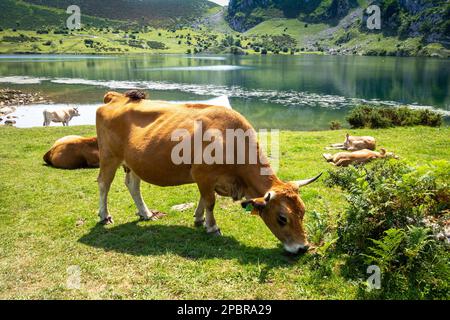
x,y
254,206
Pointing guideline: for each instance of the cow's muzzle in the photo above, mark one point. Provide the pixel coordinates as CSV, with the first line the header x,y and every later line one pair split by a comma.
x,y
296,248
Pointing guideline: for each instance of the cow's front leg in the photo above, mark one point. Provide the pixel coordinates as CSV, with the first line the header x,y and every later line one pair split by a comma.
x,y
133,183
209,200
200,214
105,178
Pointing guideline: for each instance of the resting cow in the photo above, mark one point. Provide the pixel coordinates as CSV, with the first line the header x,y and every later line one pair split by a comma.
x,y
61,115
73,152
139,134
354,143
344,159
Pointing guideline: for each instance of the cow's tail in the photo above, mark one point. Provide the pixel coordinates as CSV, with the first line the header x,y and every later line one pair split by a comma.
x,y
47,158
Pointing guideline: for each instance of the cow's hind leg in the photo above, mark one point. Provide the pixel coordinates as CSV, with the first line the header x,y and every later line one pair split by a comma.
x,y
133,183
106,176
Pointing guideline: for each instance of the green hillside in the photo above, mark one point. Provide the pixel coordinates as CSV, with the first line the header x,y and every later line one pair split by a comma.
x,y
155,12
409,28
25,16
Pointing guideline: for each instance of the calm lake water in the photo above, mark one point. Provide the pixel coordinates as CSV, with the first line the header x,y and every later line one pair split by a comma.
x,y
284,92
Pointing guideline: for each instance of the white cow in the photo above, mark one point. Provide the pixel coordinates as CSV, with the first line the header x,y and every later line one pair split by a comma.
x,y
61,115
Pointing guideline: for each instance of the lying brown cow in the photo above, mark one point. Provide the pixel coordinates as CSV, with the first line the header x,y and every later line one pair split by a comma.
x,y
73,152
139,134
355,143
343,159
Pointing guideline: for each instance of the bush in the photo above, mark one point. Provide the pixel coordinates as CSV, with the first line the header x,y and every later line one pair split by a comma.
x,y
387,223
383,117
157,45
88,42
412,264
335,125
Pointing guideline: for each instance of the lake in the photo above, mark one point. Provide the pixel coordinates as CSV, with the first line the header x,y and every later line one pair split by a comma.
x,y
303,92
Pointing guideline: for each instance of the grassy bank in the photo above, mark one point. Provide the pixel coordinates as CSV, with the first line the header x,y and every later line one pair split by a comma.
x,y
49,222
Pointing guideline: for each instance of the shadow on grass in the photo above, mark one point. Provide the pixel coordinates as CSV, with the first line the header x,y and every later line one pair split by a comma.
x,y
142,239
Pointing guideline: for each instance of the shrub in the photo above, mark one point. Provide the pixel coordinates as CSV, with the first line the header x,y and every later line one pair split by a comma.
x,y
60,31
386,223
317,227
335,125
157,45
88,42
366,116
412,265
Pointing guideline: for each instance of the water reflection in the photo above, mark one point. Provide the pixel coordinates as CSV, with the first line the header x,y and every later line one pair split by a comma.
x,y
311,89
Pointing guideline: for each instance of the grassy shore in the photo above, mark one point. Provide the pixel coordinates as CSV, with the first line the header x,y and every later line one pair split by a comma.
x,y
49,222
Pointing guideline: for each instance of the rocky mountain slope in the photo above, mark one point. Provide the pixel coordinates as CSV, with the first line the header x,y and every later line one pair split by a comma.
x,y
428,19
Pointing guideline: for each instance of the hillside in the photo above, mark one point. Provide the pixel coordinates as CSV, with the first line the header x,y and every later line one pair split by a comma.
x,y
25,16
245,14
154,12
409,27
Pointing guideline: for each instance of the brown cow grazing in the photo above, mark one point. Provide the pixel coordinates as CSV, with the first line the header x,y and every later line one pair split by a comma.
x,y
139,134
343,159
73,152
354,143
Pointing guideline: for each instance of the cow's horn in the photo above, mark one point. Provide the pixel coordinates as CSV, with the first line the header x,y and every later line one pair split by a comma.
x,y
301,183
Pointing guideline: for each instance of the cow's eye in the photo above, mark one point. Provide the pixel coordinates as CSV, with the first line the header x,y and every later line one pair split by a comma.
x,y
282,220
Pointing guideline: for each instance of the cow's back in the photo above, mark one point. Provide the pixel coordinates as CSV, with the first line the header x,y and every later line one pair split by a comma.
x,y
73,152
140,135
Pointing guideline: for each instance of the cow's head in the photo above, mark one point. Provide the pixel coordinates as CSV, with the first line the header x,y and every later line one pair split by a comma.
x,y
347,141
282,210
75,112
385,154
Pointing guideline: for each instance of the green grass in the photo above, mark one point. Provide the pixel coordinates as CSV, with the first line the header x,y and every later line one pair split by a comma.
x,y
292,27
167,259
106,42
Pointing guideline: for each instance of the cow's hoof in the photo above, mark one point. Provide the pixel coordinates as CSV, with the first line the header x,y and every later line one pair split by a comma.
x,y
216,233
155,215
199,224
107,220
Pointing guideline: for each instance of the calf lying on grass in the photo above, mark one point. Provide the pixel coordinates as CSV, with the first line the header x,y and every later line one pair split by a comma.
x,y
73,152
343,159
354,143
